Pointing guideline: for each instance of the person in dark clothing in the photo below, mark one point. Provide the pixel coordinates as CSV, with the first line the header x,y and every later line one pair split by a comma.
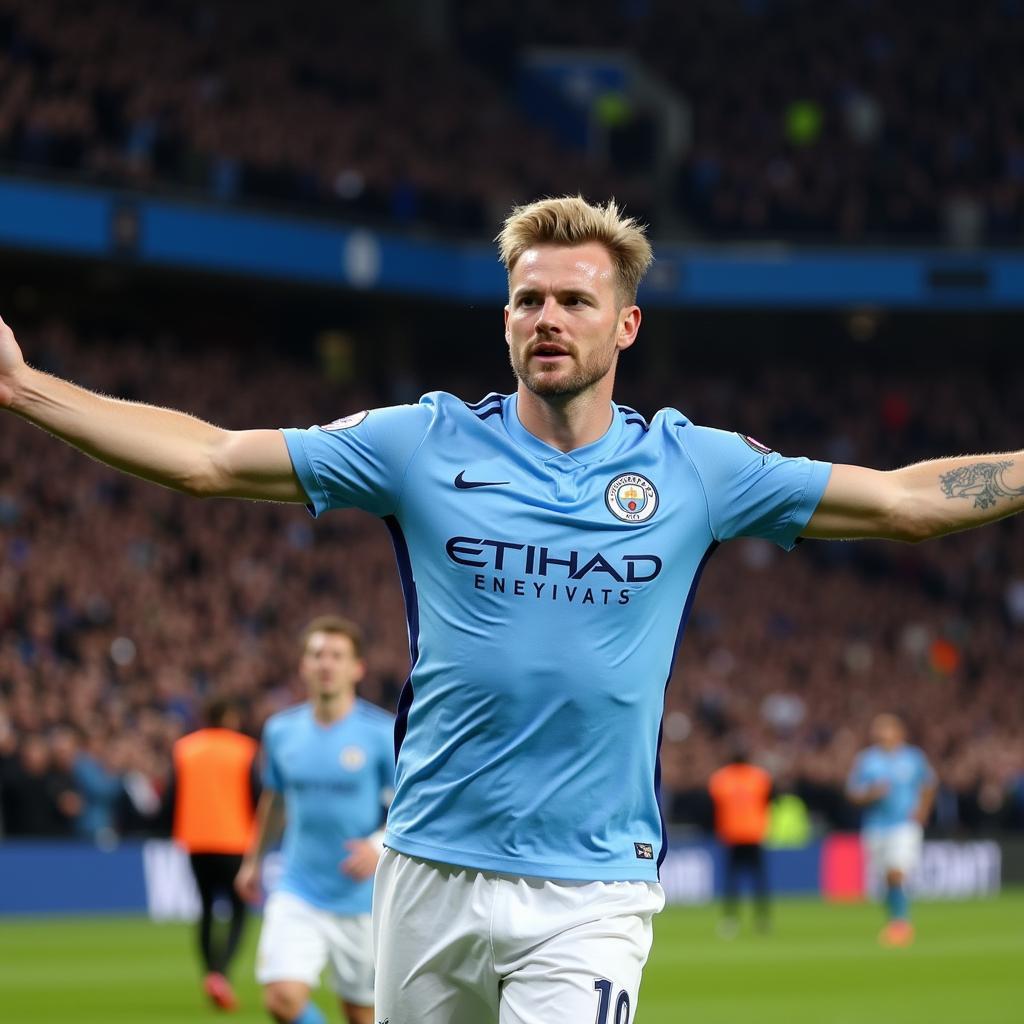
x,y
39,798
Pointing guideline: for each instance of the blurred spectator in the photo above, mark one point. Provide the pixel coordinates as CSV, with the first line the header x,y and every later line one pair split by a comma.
x,y
789,823
101,791
39,799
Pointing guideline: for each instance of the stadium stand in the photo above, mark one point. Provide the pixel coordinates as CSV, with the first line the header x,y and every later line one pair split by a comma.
x,y
862,123
110,636
339,111
865,121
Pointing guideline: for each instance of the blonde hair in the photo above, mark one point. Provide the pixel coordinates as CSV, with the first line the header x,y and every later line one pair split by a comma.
x,y
571,220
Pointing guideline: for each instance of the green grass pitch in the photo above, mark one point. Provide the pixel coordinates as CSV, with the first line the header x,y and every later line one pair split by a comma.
x,y
821,965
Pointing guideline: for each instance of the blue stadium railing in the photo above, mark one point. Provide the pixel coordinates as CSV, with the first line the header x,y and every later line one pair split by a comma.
x,y
100,224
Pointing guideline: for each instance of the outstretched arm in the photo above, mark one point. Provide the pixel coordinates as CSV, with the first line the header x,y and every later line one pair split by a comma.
x,y
919,502
167,447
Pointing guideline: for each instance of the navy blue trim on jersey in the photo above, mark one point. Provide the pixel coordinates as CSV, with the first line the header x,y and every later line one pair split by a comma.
x,y
490,399
684,618
412,614
405,699
632,417
629,411
496,411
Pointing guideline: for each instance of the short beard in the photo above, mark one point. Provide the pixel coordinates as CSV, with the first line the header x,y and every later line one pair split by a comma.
x,y
557,386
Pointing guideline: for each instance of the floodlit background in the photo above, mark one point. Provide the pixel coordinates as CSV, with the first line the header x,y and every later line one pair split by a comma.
x,y
276,214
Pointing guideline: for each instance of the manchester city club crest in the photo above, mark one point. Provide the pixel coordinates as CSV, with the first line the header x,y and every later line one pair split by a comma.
x,y
631,498
352,758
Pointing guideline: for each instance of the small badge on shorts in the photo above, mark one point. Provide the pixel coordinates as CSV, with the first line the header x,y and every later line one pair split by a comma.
x,y
644,851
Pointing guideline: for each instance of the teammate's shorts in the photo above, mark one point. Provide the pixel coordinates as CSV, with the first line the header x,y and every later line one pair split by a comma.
x,y
298,940
459,946
897,848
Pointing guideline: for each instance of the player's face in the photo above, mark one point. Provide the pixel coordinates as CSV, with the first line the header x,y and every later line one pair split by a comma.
x,y
887,732
565,324
330,666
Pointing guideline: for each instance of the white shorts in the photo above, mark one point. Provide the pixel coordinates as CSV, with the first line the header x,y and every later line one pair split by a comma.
x,y
298,940
897,848
459,946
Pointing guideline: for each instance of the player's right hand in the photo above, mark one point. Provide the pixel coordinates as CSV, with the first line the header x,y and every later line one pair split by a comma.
x,y
247,882
11,363
879,791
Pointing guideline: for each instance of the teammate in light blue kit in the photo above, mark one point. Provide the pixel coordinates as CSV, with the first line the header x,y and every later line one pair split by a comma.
x,y
328,769
895,785
550,544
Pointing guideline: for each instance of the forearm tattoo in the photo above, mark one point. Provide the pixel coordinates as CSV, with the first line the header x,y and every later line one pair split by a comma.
x,y
982,481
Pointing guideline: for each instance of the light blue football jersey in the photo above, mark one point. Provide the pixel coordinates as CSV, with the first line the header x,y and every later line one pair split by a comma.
x,y
905,771
335,780
546,595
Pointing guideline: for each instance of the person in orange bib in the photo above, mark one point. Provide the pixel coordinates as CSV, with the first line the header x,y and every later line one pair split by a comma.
x,y
213,795
741,793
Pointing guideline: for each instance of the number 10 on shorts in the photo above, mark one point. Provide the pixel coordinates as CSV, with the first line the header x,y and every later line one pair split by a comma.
x,y
604,988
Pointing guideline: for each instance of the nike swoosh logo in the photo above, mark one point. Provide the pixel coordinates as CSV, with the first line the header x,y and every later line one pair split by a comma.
x,y
465,485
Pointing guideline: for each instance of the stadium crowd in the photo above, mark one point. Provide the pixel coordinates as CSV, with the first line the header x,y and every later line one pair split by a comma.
x,y
856,120
862,120
342,111
122,604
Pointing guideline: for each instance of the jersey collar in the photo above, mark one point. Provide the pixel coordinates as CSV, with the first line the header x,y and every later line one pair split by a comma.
x,y
596,451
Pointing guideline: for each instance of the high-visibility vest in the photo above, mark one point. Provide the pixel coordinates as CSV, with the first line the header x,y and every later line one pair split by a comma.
x,y
789,824
740,793
213,805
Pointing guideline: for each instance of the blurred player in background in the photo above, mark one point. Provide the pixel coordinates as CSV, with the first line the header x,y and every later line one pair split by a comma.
x,y
212,796
895,785
328,771
741,793
549,545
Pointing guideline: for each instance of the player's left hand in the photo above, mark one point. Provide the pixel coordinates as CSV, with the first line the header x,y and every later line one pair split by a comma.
x,y
362,858
12,363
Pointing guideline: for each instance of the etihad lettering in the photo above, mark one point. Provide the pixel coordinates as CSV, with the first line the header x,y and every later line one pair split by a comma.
x,y
538,560
550,591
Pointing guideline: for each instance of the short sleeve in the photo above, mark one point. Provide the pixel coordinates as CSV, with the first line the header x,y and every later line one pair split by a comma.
x,y
271,772
752,491
359,461
859,775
